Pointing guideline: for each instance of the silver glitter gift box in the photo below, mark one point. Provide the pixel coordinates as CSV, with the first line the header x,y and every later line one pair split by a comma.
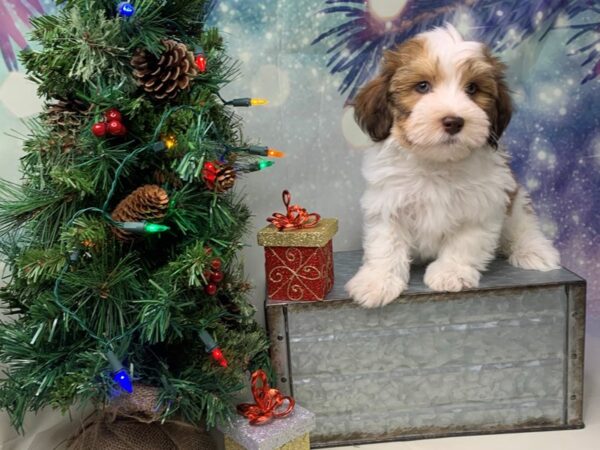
x,y
289,433
505,357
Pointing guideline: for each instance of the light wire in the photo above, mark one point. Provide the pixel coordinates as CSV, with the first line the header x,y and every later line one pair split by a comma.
x,y
104,213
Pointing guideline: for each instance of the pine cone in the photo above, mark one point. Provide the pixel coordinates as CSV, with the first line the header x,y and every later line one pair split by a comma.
x,y
62,139
149,202
162,176
65,117
165,76
225,179
66,113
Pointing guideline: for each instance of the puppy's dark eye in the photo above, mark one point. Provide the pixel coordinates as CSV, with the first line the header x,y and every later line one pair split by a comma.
x,y
423,87
471,88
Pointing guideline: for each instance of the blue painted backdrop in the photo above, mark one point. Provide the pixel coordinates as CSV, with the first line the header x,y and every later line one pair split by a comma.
x,y
555,136
310,56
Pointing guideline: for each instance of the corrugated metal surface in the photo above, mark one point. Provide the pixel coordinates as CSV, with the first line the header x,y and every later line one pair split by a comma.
x,y
429,364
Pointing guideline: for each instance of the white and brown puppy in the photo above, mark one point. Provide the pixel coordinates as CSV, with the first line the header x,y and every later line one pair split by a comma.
x,y
438,187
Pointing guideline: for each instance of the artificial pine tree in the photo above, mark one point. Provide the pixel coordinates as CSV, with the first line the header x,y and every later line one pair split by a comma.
x,y
121,242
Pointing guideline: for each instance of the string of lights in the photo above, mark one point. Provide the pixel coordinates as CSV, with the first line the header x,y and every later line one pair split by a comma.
x,y
118,372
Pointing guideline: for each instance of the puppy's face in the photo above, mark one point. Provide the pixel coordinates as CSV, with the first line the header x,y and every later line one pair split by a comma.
x,y
441,97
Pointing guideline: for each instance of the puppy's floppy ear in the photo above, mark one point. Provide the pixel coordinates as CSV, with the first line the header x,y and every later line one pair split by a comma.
x,y
371,109
503,112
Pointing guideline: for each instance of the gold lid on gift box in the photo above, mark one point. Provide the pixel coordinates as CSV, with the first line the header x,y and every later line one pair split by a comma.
x,y
318,236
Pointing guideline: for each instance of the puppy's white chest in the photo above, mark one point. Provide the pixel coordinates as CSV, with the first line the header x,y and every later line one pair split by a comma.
x,y
431,202
435,205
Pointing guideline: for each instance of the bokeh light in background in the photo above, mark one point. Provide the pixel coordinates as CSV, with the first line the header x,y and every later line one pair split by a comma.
x,y
19,96
354,136
386,9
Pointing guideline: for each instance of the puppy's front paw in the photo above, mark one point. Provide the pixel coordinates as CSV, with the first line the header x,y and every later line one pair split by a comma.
x,y
449,277
536,256
371,287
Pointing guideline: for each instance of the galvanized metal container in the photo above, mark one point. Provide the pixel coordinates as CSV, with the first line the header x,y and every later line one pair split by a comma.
x,y
505,357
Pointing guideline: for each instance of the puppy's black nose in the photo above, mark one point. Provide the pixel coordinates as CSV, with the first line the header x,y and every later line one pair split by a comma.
x,y
452,124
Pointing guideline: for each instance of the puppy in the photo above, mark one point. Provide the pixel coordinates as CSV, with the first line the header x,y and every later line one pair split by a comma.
x,y
438,187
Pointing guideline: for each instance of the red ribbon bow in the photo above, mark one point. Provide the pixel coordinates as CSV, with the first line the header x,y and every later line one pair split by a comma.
x,y
269,402
295,217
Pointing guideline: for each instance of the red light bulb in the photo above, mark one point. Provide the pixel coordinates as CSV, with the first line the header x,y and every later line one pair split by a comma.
x,y
218,356
201,62
209,174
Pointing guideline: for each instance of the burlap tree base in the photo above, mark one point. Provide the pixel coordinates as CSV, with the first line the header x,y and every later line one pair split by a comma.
x,y
131,434
132,422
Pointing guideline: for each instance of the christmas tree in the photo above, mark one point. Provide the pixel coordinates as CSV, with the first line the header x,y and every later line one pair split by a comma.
x,y
120,244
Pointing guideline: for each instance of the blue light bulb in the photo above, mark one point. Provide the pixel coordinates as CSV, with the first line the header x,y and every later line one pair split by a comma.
x,y
126,9
122,379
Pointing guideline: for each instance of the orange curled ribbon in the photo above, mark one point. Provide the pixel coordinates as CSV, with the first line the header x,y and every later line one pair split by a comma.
x,y
269,402
296,217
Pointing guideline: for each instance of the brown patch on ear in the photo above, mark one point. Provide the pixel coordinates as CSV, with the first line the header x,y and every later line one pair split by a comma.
x,y
501,114
373,109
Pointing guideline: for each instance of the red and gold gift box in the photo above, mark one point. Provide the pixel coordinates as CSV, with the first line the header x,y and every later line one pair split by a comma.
x,y
299,262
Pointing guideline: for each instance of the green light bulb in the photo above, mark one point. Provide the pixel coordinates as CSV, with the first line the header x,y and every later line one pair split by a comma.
x,y
264,164
155,228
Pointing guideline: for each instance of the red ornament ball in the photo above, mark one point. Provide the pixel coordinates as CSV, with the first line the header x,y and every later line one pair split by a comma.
x,y
115,128
217,276
113,114
210,289
216,264
99,129
201,62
